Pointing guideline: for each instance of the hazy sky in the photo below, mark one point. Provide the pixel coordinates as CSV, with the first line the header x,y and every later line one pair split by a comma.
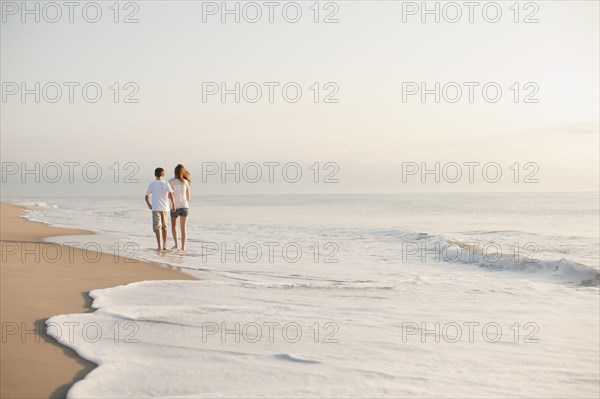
x,y
368,133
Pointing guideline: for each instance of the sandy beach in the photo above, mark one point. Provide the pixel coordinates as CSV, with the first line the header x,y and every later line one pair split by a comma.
x,y
37,284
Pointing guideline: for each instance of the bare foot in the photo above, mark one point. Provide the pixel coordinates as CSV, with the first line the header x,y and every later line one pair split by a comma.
x,y
175,247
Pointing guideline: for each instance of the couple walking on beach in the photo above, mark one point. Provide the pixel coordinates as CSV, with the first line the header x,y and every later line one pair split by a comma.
x,y
158,195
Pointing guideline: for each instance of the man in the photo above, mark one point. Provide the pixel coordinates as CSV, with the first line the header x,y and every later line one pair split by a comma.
x,y
159,190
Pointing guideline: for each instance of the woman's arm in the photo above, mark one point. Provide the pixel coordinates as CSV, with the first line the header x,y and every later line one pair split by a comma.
x,y
187,192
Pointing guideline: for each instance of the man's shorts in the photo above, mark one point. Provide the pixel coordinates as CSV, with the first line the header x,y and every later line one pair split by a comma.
x,y
159,220
183,212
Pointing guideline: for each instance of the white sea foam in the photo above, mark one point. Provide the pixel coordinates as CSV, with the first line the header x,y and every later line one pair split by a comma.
x,y
183,340
372,295
37,204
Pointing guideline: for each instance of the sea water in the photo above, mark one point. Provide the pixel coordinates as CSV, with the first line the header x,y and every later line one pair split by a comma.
x,y
414,295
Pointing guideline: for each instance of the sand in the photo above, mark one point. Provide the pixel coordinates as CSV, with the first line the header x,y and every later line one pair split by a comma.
x,y
32,290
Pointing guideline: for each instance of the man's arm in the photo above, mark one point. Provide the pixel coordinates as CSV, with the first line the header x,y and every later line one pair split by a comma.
x,y
147,198
172,198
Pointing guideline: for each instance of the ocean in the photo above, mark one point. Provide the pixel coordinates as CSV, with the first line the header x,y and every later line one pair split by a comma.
x,y
390,295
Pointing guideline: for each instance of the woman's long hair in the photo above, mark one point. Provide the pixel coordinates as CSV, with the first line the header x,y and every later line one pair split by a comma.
x,y
182,174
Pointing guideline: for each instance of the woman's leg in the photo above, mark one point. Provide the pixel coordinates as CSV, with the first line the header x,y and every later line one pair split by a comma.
x,y
174,230
183,231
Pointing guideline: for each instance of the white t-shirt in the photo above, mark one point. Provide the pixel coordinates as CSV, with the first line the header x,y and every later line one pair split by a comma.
x,y
159,191
180,190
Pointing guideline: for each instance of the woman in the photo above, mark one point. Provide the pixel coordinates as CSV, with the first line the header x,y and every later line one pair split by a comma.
x,y
181,187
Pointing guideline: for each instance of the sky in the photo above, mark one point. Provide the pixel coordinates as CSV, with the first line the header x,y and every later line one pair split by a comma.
x,y
367,138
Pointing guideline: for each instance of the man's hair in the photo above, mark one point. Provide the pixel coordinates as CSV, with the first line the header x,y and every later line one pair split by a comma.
x,y
158,172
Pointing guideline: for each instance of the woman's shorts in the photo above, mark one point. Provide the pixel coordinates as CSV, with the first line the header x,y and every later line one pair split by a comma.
x,y
183,212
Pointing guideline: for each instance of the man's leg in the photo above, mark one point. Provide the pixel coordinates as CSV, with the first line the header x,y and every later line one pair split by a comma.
x,y
164,226
156,227
157,232
164,232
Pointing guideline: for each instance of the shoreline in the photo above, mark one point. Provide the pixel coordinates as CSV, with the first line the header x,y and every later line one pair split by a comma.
x,y
38,283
